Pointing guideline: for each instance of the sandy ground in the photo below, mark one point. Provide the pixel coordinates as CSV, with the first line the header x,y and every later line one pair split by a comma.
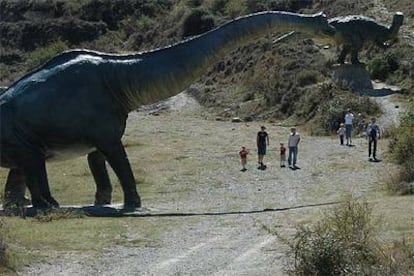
x,y
196,170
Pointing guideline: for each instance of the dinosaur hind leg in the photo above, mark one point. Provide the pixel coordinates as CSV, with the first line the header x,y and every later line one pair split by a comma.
x,y
15,189
117,158
34,169
103,195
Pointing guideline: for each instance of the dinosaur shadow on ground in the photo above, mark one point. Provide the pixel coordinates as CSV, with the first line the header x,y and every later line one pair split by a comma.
x,y
116,210
379,92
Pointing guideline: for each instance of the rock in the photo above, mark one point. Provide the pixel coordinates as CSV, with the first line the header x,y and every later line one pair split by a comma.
x,y
236,120
352,76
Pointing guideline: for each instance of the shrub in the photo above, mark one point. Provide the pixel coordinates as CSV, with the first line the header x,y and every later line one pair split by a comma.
x,y
381,67
235,8
216,6
197,22
402,149
307,77
344,242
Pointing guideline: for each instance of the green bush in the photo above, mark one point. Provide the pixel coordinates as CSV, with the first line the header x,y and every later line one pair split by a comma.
x,y
344,242
197,22
307,77
402,149
235,8
216,6
380,68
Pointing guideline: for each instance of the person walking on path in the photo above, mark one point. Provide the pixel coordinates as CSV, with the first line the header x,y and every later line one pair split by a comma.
x,y
341,133
294,139
243,158
282,150
349,117
373,134
262,141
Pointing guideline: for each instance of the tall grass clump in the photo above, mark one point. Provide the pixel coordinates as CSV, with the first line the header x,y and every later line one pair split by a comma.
x,y
402,149
344,242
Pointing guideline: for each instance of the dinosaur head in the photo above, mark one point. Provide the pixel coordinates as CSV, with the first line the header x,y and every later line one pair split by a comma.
x,y
397,21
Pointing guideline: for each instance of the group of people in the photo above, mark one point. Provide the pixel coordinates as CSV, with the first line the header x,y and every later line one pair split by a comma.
x,y
344,132
372,133
262,141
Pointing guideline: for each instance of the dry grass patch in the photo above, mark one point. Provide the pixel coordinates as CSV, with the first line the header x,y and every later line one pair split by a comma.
x,y
3,246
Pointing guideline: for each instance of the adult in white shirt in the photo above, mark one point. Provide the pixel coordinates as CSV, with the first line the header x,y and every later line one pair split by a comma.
x,y
349,117
294,139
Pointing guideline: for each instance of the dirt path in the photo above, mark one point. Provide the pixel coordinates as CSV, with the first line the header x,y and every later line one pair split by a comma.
x,y
196,169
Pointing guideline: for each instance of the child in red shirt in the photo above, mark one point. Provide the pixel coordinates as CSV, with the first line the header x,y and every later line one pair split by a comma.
x,y
282,155
243,158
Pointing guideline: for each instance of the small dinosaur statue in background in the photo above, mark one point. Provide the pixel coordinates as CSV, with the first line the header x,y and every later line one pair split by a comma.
x,y
354,30
78,102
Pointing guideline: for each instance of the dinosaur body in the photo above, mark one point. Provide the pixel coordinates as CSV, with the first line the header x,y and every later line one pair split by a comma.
x,y
78,102
353,31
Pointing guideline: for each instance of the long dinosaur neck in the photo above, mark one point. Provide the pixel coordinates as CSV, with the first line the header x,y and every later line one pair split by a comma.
x,y
162,73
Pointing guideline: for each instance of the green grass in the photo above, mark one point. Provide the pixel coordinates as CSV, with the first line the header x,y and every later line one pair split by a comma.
x,y
33,239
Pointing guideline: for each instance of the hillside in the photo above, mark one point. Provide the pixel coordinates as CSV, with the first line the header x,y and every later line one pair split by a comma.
x,y
263,79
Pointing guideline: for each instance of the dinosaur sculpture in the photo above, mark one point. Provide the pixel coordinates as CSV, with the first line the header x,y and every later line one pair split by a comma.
x,y
78,102
353,31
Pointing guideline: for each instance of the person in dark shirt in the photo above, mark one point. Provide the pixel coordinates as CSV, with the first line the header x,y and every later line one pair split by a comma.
x,y
262,141
373,134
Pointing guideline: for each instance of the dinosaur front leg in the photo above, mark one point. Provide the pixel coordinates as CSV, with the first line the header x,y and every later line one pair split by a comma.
x,y
34,169
117,158
97,164
15,189
344,52
356,47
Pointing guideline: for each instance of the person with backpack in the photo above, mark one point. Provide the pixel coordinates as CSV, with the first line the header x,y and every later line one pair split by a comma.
x,y
373,134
